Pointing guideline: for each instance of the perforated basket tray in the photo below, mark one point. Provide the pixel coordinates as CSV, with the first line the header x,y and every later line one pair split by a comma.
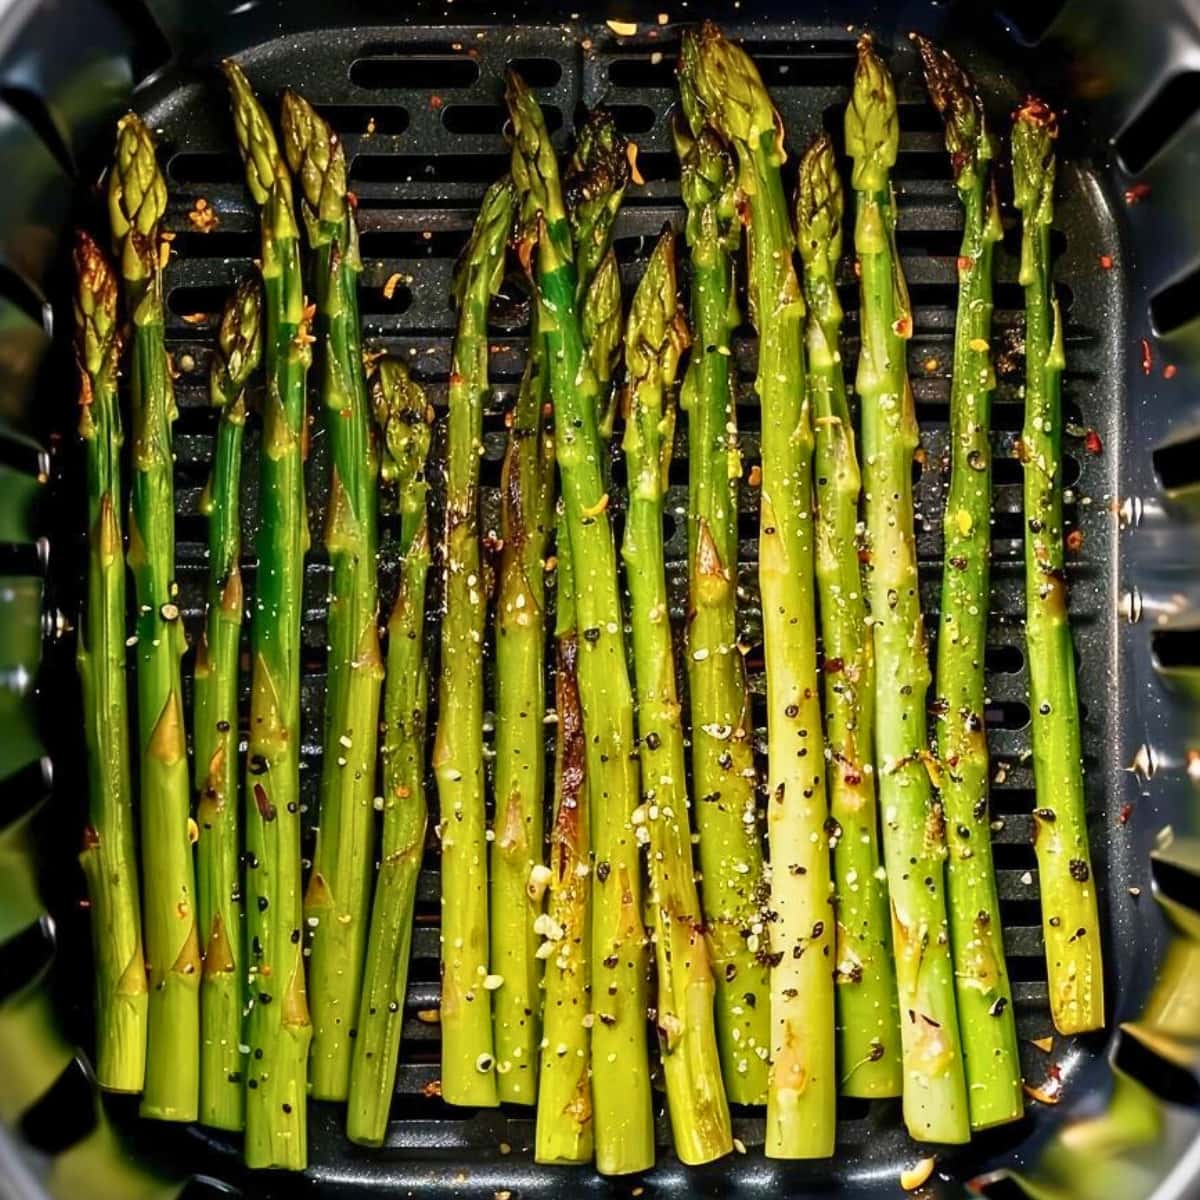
x,y
420,111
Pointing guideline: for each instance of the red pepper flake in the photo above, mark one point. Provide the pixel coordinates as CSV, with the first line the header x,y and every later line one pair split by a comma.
x,y
1137,193
436,102
1170,371
1106,262
1147,357
1075,541
1092,443
1125,813
965,262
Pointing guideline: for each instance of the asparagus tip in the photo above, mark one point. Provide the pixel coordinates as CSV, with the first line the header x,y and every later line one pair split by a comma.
x,y
96,327
819,202
872,123
1035,126
137,199
239,342
534,163
493,228
403,418
957,100
256,138
728,89
316,157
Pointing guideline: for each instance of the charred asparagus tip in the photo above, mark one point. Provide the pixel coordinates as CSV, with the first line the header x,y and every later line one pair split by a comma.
x,y
955,97
1035,126
239,341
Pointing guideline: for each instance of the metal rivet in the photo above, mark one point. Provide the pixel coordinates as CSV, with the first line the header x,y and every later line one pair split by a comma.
x,y
1131,605
1144,763
1131,512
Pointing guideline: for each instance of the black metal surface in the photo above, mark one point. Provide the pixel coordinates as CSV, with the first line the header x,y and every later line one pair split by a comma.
x,y
419,176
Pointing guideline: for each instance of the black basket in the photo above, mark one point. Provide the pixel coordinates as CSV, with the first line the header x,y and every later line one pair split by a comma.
x,y
418,105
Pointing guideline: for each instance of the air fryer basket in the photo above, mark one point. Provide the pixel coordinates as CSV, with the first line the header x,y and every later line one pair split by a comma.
x,y
418,105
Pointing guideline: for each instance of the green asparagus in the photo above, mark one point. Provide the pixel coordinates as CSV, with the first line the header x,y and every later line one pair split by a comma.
x,y
624,1129
108,855
593,189
403,418
1070,922
222,988
802,1087
337,900
868,1034
526,509
564,1115
725,779
468,1061
985,1008
137,196
655,336
279,1029
935,1101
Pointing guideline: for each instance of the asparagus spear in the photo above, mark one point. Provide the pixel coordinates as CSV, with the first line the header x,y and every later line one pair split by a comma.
x,y
594,186
108,855
868,1021
985,1008
722,735
239,348
338,895
655,337
1070,923
403,418
137,195
279,1029
468,1062
935,1102
526,508
624,1130
564,1115
801,1091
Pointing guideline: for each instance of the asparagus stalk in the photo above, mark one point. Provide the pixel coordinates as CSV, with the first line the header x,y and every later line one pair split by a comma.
x,y
564,1114
338,894
624,1130
239,348
868,1034
594,186
468,1061
725,779
802,1086
403,418
1070,923
279,1029
526,509
108,855
137,195
935,1102
985,1008
655,337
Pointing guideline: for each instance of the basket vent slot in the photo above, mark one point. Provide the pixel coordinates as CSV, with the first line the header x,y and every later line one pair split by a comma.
x,y
1140,142
1176,649
414,72
1174,306
1168,1080
1177,464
